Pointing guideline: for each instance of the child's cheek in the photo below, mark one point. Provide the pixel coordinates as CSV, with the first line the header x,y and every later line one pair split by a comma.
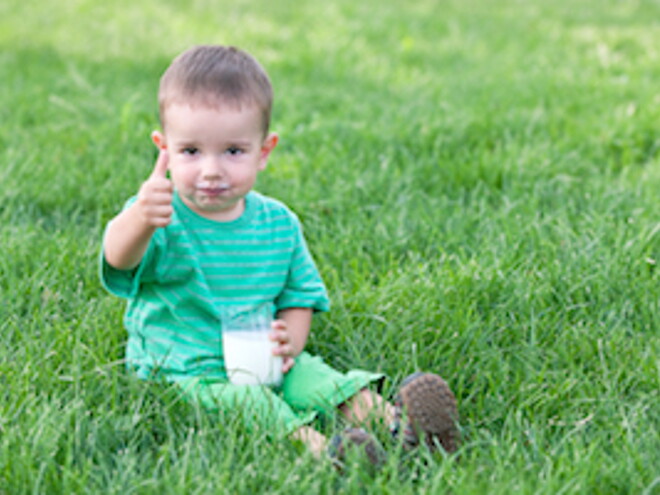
x,y
182,174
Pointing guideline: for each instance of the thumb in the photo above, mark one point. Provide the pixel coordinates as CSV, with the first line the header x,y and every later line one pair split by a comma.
x,y
160,170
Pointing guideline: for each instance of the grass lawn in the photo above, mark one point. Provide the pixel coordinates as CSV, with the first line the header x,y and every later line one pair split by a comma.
x,y
478,183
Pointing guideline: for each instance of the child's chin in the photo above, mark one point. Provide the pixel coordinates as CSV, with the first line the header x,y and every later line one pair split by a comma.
x,y
217,206
211,204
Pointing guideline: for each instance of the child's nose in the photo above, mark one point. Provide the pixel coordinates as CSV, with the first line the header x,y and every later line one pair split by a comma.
x,y
213,167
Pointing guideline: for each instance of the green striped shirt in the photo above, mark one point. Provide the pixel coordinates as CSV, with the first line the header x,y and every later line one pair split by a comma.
x,y
196,268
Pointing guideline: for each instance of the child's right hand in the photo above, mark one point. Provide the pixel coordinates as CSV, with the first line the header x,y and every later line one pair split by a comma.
x,y
154,200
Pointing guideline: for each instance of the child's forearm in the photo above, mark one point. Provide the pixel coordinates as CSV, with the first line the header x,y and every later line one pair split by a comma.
x,y
127,239
299,322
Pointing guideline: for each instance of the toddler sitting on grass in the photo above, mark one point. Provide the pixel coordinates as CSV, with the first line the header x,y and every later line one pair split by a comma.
x,y
192,246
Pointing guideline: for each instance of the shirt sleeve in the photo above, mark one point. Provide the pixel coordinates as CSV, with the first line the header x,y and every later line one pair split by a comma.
x,y
304,287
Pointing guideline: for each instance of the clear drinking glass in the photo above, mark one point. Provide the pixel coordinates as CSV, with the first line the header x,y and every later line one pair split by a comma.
x,y
248,352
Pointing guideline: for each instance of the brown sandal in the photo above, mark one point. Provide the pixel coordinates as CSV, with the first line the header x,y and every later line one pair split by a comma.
x,y
355,438
430,408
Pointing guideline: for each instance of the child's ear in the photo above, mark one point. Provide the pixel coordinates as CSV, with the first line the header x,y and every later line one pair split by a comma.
x,y
159,140
268,145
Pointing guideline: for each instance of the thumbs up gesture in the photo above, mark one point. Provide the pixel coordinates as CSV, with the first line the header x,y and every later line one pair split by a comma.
x,y
154,200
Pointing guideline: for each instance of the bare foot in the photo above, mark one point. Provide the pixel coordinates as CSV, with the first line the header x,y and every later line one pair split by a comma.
x,y
315,441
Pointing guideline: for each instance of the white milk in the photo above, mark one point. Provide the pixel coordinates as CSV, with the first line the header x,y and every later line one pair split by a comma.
x,y
249,358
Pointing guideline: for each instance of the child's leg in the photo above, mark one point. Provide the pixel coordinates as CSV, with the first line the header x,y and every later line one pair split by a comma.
x,y
367,405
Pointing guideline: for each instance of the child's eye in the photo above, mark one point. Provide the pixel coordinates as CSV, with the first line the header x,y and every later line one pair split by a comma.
x,y
234,150
190,150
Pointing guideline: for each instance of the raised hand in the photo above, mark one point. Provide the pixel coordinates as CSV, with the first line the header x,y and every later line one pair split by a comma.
x,y
154,200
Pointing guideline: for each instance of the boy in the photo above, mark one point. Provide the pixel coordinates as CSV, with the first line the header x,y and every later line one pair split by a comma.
x,y
189,247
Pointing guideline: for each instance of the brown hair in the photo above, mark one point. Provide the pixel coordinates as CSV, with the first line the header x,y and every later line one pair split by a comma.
x,y
216,75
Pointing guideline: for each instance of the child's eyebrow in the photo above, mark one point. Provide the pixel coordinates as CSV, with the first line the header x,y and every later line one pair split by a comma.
x,y
184,139
186,144
240,143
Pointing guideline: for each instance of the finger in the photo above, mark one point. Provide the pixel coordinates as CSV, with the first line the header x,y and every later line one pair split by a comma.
x,y
160,184
278,325
287,364
285,351
149,199
162,211
160,198
160,169
280,336
161,221
156,191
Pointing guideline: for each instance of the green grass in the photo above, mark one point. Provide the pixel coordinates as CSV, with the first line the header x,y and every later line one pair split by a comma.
x,y
478,182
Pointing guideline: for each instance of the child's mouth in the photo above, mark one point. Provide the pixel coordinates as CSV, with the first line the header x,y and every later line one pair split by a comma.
x,y
215,190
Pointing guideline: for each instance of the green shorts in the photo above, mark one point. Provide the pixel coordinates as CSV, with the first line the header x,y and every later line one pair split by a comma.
x,y
310,388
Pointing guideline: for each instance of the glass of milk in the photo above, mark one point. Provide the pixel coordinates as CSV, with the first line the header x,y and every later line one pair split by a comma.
x,y
248,352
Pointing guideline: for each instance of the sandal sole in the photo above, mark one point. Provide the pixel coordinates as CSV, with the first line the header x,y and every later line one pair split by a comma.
x,y
431,410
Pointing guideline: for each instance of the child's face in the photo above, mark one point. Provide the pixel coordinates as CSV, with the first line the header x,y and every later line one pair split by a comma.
x,y
214,156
